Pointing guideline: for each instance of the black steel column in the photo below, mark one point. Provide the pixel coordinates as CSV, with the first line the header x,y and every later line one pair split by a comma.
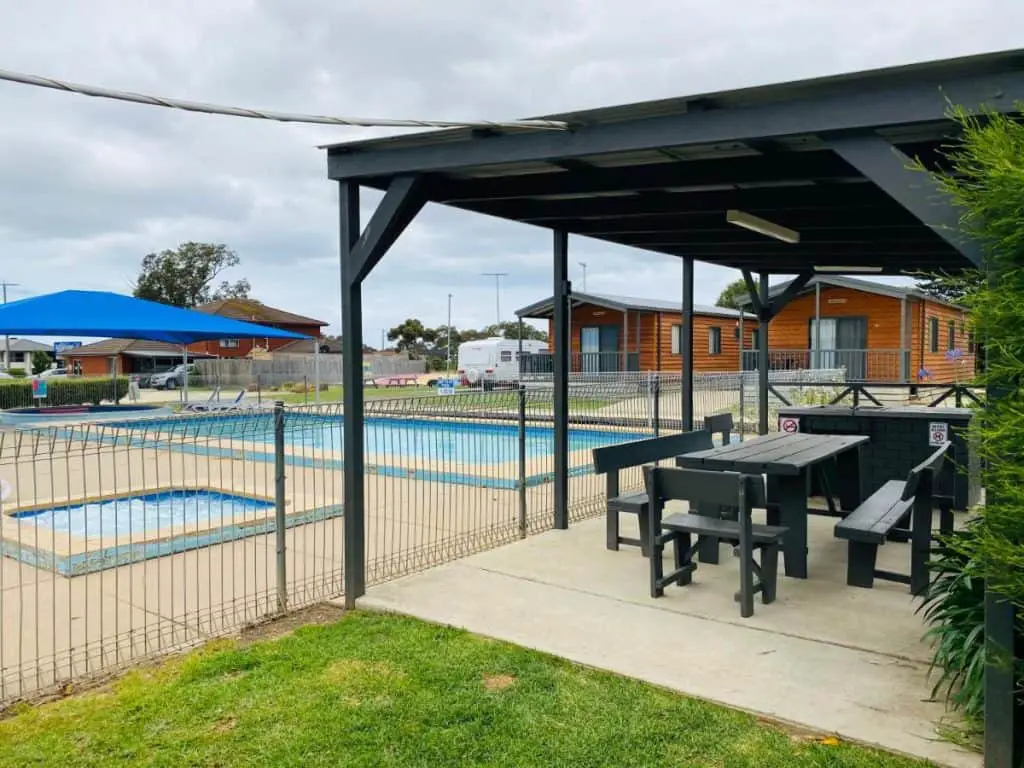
x,y
686,345
352,396
560,347
762,356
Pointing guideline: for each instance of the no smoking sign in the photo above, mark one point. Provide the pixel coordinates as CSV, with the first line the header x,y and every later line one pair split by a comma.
x,y
938,433
789,425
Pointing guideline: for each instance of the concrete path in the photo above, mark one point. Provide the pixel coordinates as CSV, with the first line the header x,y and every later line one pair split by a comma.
x,y
815,671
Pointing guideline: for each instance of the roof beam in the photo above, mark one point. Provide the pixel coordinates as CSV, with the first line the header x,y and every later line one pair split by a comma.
x,y
915,190
796,167
848,106
807,221
830,197
403,200
866,238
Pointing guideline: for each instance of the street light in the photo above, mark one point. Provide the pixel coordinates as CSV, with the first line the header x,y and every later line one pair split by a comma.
x,y
584,265
497,290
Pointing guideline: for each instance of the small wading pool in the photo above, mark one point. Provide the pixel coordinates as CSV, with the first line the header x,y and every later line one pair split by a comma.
x,y
64,414
90,535
145,514
440,441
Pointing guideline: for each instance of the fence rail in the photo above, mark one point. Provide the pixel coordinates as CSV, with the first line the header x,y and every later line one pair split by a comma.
x,y
131,539
859,365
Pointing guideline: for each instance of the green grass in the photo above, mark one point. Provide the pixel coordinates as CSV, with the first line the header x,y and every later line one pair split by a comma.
x,y
373,690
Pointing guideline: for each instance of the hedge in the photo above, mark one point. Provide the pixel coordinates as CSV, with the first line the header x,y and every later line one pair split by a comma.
x,y
18,393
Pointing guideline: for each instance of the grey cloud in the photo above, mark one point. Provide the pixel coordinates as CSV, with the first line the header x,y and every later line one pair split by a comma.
x,y
91,186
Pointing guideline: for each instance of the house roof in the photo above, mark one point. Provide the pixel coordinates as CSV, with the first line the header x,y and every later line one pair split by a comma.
x,y
856,284
254,311
133,347
27,345
545,308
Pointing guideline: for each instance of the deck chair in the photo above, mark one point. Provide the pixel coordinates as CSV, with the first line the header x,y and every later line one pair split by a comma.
x,y
204,405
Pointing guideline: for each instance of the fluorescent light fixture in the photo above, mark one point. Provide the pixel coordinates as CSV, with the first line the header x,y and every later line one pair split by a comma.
x,y
762,226
848,269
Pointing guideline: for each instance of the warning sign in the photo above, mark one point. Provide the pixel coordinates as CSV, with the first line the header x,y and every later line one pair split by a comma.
x,y
938,433
789,424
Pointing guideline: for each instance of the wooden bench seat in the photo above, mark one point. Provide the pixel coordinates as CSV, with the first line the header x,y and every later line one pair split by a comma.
x,y
882,517
610,460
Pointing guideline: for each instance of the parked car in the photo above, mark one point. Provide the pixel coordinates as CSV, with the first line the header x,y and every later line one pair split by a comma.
x,y
5,375
53,373
173,378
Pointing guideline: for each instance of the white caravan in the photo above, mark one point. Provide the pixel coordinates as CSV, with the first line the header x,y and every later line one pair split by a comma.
x,y
494,362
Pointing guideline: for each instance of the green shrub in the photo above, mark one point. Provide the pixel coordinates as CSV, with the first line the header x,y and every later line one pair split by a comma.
x,y
17,373
954,608
18,394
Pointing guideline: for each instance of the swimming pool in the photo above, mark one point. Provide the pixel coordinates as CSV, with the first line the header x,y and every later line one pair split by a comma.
x,y
443,441
143,514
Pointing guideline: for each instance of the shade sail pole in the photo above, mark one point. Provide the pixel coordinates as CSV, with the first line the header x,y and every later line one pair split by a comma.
x,y
316,370
184,360
560,347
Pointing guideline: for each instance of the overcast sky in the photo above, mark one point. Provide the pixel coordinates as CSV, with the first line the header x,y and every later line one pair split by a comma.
x,y
87,187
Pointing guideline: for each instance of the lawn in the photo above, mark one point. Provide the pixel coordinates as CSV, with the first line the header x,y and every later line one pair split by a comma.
x,y
375,690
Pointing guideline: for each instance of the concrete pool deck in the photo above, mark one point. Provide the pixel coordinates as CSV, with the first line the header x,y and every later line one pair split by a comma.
x,y
824,656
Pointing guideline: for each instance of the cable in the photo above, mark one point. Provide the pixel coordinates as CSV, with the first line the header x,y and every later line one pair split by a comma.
x,y
281,117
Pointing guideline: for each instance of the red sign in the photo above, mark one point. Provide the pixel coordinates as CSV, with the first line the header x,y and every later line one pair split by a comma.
x,y
789,424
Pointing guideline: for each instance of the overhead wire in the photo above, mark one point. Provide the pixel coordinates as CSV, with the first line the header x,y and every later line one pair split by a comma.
x,y
261,114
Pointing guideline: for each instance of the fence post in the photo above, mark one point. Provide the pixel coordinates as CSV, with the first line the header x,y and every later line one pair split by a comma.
x,y
305,390
522,461
656,389
743,411
279,504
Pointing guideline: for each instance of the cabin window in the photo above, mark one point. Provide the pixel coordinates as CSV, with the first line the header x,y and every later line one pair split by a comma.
x,y
676,329
951,335
970,342
933,334
714,340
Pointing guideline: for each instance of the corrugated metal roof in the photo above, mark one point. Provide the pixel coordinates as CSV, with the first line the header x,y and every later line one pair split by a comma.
x,y
857,284
966,65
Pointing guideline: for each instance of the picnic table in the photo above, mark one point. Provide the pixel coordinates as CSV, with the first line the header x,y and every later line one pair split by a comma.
x,y
396,380
787,460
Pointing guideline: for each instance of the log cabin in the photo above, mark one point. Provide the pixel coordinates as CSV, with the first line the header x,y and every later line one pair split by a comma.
x,y
623,333
878,332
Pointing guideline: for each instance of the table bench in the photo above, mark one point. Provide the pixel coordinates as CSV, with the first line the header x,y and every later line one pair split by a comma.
x,y
704,488
610,460
880,517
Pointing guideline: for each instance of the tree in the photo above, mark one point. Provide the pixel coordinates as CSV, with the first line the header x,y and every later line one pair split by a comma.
x,y
510,330
955,289
184,277
732,294
412,337
40,362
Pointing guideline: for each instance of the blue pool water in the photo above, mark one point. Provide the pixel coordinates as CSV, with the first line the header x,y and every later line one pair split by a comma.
x,y
144,513
450,441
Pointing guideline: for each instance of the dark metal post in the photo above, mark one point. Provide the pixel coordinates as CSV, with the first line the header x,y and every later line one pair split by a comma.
x,y
656,389
259,391
522,460
352,396
762,357
521,372
560,349
279,507
686,345
1004,713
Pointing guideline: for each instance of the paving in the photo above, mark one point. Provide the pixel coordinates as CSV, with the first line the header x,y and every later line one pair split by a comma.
x,y
824,656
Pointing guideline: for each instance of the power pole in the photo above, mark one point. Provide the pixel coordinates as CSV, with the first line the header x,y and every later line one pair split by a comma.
x,y
448,344
497,290
7,339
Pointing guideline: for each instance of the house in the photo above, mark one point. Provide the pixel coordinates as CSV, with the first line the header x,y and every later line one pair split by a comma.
x,y
133,357
21,353
252,311
876,331
622,333
141,357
